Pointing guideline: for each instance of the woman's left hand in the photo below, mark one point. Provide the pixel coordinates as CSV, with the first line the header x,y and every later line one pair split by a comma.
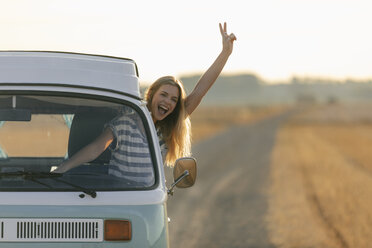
x,y
227,39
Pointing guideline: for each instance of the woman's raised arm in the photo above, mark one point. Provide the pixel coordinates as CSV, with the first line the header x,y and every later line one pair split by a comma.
x,y
210,76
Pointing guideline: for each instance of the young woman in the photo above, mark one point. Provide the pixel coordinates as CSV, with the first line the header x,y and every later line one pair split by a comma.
x,y
170,110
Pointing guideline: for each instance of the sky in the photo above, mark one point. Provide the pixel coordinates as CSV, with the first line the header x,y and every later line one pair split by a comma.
x,y
276,39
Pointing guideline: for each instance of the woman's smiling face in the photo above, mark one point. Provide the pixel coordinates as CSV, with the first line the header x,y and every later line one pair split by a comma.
x,y
164,101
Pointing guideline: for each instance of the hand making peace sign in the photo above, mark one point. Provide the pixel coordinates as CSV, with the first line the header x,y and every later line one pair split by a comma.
x,y
227,39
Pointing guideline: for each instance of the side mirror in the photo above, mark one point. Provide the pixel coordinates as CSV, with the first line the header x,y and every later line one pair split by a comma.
x,y
184,173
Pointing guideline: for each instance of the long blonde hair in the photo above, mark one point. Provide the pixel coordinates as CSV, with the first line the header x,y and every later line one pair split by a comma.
x,y
176,127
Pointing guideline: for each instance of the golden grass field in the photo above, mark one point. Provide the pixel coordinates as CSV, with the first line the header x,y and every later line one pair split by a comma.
x,y
320,192
51,142
208,121
321,181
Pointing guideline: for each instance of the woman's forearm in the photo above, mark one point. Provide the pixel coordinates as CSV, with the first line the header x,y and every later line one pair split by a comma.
x,y
206,81
85,155
88,153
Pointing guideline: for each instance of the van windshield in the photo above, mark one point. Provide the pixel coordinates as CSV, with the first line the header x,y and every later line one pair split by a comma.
x,y
38,133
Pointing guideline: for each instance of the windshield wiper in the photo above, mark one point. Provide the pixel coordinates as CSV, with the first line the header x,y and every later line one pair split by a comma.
x,y
26,174
92,193
32,176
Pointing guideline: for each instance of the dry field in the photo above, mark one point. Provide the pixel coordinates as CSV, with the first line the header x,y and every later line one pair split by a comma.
x,y
208,121
321,179
320,191
33,139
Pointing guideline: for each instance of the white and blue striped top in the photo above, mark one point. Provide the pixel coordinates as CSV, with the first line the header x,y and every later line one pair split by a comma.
x,y
162,144
131,158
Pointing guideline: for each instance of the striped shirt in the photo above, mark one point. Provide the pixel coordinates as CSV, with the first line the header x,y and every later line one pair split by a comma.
x,y
162,144
131,158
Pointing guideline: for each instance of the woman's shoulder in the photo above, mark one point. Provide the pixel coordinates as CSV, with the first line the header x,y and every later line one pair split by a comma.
x,y
126,118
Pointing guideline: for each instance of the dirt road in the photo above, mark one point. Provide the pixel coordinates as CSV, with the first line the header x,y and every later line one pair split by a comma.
x,y
227,205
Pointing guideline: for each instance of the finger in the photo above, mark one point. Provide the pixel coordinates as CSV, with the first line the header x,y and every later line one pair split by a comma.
x,y
224,27
221,30
232,36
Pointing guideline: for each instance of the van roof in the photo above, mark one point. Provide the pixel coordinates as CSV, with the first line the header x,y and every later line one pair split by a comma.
x,y
63,68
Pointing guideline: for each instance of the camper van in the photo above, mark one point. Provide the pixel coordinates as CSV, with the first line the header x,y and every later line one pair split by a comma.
x,y
52,104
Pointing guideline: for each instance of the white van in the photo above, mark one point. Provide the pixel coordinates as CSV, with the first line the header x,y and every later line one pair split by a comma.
x,y
51,105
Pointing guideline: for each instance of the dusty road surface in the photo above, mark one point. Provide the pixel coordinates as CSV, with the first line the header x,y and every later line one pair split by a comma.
x,y
227,205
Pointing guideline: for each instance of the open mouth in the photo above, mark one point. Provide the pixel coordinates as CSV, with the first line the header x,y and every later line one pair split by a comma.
x,y
162,109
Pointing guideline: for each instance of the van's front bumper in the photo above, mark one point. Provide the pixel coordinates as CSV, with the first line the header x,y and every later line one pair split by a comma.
x,y
81,226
